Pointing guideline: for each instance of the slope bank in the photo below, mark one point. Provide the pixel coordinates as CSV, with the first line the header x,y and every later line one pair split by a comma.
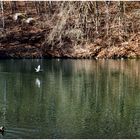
x,y
72,30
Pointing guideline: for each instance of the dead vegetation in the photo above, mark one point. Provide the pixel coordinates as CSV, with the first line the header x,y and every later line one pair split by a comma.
x,y
71,29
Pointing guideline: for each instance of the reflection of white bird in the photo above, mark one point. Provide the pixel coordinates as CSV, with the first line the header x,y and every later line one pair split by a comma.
x,y
37,82
38,68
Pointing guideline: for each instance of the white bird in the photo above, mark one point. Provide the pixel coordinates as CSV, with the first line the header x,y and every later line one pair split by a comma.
x,y
28,20
37,69
16,16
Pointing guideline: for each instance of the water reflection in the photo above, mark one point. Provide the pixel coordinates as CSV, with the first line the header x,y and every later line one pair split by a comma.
x,y
37,82
70,99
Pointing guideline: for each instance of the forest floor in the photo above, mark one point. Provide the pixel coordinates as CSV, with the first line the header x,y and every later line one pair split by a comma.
x,y
29,41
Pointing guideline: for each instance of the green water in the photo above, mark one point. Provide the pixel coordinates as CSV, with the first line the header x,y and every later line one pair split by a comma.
x,y
70,98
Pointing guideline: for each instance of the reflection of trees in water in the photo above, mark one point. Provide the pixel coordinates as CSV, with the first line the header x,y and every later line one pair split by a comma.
x,y
94,99
109,97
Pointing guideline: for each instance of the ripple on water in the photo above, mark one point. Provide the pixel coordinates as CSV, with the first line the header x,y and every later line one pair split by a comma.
x,y
17,132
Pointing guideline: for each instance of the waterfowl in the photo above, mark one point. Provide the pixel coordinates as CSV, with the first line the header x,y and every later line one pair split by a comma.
x,y
2,129
18,16
37,69
30,21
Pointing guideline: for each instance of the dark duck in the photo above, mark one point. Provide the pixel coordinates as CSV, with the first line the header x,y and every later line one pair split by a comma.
x,y
2,129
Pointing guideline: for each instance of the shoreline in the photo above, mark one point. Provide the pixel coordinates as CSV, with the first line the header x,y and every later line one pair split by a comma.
x,y
29,45
65,36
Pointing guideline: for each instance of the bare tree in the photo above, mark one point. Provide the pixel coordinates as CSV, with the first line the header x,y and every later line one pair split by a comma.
x,y
2,13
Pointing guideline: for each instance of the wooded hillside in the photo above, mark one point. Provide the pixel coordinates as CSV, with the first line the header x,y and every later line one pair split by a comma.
x,y
70,29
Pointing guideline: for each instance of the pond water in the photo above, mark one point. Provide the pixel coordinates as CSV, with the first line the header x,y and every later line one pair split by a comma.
x,y
70,98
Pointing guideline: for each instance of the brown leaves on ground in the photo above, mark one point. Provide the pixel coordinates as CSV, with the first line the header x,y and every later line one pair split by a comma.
x,y
63,34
